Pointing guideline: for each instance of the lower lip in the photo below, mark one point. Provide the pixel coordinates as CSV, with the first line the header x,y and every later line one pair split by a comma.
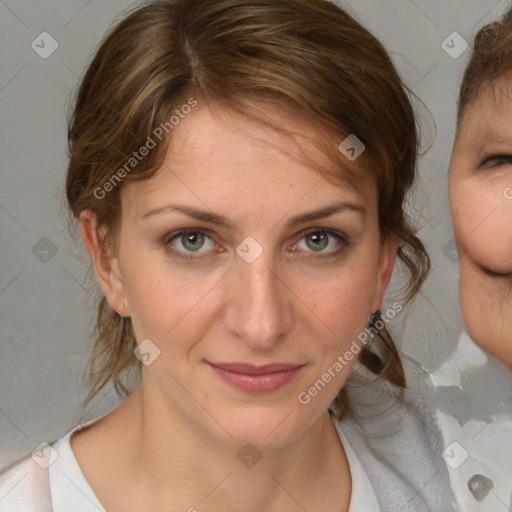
x,y
263,383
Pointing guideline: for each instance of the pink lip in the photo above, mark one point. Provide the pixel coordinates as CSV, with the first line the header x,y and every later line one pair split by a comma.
x,y
256,379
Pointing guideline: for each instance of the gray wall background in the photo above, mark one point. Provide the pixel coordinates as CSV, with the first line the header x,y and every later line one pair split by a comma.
x,y
46,303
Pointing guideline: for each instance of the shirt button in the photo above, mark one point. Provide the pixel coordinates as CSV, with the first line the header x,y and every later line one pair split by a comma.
x,y
480,486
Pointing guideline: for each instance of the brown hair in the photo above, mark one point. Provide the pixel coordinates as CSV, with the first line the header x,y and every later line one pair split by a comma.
x,y
491,58
308,55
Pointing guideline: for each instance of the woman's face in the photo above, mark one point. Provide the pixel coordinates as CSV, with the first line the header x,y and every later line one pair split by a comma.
x,y
480,187
271,282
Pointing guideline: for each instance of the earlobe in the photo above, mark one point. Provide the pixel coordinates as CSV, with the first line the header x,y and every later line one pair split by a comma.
x,y
386,263
106,265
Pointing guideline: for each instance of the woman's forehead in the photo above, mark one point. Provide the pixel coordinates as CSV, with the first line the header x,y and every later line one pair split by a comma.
x,y
492,106
217,163
253,191
208,125
216,138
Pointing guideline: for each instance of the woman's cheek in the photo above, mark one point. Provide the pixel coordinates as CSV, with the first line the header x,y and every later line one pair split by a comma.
x,y
482,223
157,301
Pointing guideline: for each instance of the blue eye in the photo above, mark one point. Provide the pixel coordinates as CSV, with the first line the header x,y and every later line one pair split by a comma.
x,y
316,240
186,243
190,241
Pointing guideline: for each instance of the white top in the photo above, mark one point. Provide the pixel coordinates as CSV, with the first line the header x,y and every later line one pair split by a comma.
x,y
70,491
363,495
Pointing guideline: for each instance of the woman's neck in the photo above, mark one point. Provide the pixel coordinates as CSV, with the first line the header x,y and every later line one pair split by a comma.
x,y
168,463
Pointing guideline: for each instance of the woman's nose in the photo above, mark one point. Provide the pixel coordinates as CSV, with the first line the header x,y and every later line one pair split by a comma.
x,y
260,307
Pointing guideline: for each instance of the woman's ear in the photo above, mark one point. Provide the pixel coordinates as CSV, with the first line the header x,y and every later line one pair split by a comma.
x,y
105,261
385,265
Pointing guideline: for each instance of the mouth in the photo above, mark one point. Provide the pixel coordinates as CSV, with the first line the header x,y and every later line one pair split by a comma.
x,y
257,379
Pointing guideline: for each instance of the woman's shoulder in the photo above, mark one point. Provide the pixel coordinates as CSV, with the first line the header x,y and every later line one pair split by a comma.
x,y
397,440
25,486
48,480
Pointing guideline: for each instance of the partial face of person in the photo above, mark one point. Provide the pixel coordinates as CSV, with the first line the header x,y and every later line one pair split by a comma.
x,y
480,189
251,274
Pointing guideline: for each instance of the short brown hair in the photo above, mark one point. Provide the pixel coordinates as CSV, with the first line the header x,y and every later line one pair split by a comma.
x,y
308,55
491,58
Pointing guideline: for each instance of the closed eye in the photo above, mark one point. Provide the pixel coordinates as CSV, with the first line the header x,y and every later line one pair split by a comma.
x,y
496,161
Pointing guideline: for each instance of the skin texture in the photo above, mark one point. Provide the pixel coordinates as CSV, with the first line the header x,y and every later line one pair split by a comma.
x,y
176,438
480,189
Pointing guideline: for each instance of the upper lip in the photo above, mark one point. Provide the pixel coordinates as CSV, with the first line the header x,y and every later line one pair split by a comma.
x,y
250,369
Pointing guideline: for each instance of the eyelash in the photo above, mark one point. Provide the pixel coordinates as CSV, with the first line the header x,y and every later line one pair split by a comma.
x,y
340,237
504,159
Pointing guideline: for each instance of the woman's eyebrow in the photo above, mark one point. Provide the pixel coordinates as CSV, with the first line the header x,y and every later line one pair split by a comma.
x,y
195,213
492,137
326,211
220,220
